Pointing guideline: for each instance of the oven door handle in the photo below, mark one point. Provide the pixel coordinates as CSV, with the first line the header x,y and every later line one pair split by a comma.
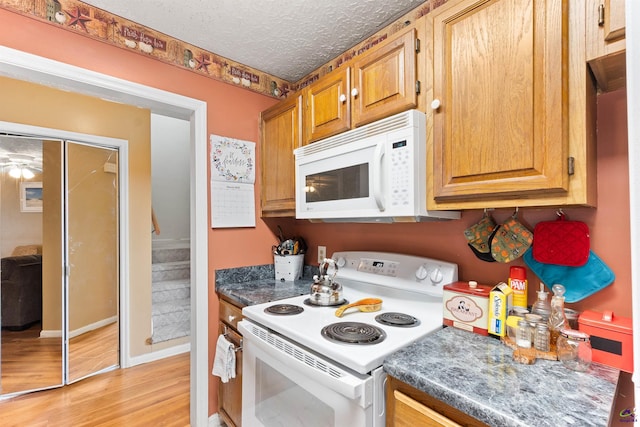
x,y
338,380
378,179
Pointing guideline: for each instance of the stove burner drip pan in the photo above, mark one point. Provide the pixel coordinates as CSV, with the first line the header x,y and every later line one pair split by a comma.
x,y
397,319
284,309
353,333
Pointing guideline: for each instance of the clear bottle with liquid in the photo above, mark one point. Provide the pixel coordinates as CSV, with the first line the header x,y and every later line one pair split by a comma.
x,y
557,319
542,307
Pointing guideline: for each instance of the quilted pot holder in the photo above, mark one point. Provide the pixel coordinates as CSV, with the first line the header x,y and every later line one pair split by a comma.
x,y
561,242
579,282
478,237
510,240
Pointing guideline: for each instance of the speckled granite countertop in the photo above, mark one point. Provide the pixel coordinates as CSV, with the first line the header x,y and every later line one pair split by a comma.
x,y
477,375
257,284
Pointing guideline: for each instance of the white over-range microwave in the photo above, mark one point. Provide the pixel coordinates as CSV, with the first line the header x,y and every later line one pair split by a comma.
x,y
374,173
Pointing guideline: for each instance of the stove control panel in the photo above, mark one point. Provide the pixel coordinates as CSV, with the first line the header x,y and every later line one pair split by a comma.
x,y
378,266
399,271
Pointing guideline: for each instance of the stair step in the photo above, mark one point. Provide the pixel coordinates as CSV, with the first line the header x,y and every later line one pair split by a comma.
x,y
169,332
167,319
176,305
168,254
169,291
165,285
170,271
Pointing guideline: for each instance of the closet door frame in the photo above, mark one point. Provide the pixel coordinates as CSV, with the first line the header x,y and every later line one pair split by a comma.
x,y
123,196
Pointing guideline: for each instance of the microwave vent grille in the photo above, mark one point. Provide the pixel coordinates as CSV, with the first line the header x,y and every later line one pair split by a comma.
x,y
403,120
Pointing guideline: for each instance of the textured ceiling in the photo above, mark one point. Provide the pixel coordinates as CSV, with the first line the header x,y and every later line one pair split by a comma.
x,y
285,38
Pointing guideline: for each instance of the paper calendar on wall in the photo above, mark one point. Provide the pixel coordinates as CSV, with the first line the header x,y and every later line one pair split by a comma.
x,y
233,177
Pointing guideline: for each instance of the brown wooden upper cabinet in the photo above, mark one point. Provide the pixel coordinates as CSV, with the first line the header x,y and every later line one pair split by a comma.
x,y
501,104
606,45
281,130
376,84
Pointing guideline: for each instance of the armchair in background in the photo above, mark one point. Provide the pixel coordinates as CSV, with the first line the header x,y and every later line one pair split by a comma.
x,y
21,291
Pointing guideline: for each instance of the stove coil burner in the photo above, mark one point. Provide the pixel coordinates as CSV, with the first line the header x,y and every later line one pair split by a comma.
x,y
353,333
284,309
397,319
312,303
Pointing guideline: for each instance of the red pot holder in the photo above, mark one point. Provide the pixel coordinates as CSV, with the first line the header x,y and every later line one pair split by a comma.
x,y
561,242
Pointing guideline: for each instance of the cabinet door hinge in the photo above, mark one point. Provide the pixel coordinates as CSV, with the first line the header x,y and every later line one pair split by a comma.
x,y
418,87
571,165
417,45
601,15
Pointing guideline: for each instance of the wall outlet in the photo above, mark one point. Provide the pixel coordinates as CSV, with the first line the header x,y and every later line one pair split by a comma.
x,y
322,254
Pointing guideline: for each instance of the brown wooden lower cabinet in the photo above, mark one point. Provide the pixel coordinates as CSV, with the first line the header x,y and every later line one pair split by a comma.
x,y
230,393
407,406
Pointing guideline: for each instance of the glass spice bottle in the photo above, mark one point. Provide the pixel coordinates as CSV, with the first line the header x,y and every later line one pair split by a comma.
x,y
542,306
557,319
542,337
523,334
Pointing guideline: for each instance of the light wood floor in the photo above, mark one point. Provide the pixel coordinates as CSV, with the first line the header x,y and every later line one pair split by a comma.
x,y
153,394
29,362
93,351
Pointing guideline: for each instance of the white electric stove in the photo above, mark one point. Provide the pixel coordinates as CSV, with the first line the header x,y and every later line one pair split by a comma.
x,y
293,365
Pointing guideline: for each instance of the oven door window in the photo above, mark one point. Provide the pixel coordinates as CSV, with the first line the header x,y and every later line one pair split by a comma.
x,y
350,182
275,392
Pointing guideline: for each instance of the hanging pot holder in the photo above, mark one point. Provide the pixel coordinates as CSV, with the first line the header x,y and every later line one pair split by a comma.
x,y
561,242
510,240
478,237
579,282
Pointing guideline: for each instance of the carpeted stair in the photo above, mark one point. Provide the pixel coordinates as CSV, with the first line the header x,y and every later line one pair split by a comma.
x,y
171,291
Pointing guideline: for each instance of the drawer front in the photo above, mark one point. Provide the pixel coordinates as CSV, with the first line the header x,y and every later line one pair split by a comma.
x,y
230,314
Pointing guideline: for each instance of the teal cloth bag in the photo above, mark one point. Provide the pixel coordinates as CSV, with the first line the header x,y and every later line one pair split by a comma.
x,y
580,282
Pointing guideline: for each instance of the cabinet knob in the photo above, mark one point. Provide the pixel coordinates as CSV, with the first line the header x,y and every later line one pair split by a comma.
x,y
354,92
343,98
232,318
435,104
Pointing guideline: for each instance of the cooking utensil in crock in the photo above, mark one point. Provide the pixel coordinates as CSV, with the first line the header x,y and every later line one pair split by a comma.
x,y
324,291
366,305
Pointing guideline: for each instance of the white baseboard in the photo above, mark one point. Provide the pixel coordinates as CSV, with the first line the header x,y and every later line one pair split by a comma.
x,y
214,420
99,324
160,354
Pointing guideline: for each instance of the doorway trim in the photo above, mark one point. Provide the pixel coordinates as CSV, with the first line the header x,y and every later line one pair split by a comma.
x,y
24,66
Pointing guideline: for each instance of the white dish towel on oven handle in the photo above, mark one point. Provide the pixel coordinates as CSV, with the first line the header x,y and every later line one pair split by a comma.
x,y
224,362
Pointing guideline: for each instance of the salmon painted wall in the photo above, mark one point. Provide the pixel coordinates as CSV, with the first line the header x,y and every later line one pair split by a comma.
x,y
231,111
608,224
234,112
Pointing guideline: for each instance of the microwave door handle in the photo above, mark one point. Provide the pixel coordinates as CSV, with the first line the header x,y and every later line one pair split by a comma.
x,y
378,196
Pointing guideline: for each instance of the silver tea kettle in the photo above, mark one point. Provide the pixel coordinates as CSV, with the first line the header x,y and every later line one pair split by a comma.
x,y
324,291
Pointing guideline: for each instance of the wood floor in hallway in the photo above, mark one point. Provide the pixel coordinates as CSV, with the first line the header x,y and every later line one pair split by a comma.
x,y
152,394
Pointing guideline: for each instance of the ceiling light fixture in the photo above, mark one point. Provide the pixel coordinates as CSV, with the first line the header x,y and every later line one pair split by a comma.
x,y
15,172
20,172
27,174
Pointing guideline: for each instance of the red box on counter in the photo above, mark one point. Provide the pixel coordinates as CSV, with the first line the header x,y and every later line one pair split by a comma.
x,y
466,306
611,338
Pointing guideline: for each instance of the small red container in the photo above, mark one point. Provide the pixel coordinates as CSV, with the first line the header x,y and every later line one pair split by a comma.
x,y
611,338
466,306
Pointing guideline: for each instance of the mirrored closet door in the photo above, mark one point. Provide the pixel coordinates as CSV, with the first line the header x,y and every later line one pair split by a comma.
x,y
92,260
60,262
